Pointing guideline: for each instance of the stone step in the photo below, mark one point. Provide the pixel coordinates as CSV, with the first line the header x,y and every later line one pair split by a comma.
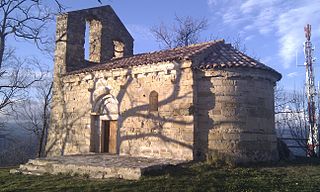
x,y
98,172
41,162
26,172
31,167
98,166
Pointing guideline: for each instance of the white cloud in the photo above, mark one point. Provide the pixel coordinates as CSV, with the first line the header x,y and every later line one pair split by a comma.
x,y
251,5
212,2
290,29
293,74
281,19
248,38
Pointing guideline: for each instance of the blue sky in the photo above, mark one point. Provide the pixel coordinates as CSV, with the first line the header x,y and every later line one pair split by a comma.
x,y
272,30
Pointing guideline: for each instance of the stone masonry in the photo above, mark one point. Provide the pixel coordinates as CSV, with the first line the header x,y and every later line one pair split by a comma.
x,y
201,101
236,114
97,166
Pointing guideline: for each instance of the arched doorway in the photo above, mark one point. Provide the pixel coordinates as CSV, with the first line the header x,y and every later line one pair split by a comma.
x,y
104,124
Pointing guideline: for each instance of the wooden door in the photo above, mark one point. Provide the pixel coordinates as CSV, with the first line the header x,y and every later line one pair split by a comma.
x,y
113,137
109,137
104,136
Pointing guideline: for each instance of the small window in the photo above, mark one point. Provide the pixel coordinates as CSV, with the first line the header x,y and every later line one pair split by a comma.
x,y
153,101
118,49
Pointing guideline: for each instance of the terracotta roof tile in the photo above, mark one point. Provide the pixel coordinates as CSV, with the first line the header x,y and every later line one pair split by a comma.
x,y
149,58
221,56
225,56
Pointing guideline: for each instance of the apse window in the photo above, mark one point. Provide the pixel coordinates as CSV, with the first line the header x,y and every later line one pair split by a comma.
x,y
153,101
118,49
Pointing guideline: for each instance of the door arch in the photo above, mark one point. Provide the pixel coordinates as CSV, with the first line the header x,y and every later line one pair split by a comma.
x,y
104,124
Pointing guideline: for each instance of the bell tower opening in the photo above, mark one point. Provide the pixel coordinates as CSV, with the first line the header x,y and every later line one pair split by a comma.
x,y
118,49
86,42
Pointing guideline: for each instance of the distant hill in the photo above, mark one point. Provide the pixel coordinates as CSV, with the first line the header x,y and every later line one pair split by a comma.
x,y
17,145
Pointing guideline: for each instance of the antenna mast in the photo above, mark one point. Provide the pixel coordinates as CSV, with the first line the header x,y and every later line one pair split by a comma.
x,y
313,141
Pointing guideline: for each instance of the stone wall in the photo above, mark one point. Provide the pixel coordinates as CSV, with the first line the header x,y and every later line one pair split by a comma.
x,y
166,133
235,115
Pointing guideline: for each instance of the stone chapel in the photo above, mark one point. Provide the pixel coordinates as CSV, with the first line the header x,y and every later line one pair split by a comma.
x,y
201,101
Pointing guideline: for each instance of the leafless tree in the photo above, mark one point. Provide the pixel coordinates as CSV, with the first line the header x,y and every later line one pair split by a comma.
x,y
281,101
27,20
33,114
237,43
185,31
19,74
291,121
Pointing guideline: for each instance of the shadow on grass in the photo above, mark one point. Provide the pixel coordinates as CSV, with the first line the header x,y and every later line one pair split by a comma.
x,y
172,170
298,161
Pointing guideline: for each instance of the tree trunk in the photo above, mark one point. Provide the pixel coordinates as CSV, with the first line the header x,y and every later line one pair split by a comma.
x,y
45,125
2,46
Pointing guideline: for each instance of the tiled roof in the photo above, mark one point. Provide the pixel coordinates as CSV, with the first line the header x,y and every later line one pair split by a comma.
x,y
225,56
221,56
149,58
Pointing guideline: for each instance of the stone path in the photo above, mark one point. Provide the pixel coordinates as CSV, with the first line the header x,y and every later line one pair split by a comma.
x,y
95,166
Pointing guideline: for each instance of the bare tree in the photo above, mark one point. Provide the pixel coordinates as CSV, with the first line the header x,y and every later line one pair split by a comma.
x,y
33,114
281,102
27,20
19,74
291,121
185,31
46,93
24,19
237,43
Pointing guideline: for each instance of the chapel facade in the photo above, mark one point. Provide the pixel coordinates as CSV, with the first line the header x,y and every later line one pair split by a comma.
x,y
206,100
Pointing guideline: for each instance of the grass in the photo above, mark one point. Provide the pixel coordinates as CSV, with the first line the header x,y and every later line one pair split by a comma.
x,y
300,175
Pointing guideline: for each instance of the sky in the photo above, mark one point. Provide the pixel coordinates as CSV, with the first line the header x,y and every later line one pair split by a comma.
x,y
271,30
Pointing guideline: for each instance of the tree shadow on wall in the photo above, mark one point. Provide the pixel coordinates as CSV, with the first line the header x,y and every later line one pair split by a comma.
x,y
152,124
65,122
203,103
62,124
206,102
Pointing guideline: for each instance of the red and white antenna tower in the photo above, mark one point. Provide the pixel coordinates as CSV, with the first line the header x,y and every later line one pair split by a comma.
x,y
313,140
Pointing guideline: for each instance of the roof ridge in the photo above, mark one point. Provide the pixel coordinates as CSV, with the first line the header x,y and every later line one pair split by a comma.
x,y
206,45
183,47
203,43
